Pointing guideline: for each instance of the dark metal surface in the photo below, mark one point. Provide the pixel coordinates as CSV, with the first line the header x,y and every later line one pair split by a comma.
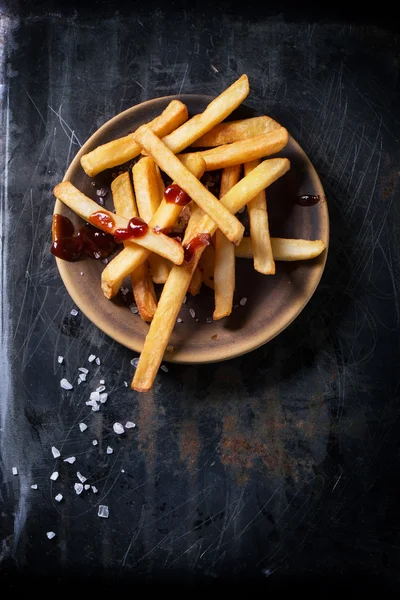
x,y
280,467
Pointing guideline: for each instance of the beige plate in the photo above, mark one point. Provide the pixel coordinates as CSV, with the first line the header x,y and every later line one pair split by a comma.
x,y
272,301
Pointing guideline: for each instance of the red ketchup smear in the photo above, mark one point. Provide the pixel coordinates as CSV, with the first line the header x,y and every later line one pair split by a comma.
x,y
175,194
307,200
203,239
136,228
102,220
89,240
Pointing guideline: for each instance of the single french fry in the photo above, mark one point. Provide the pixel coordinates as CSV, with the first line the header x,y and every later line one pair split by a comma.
x,y
119,151
207,265
233,131
284,249
161,186
179,278
195,282
216,111
146,180
169,163
224,263
142,285
259,229
131,257
85,208
245,150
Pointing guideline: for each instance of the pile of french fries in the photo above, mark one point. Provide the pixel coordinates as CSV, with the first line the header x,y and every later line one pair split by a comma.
x,y
157,258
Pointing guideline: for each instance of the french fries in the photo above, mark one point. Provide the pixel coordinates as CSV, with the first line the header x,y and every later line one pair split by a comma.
x,y
245,150
235,131
169,163
259,229
216,111
146,181
284,249
85,208
119,151
224,265
142,285
195,282
179,278
131,257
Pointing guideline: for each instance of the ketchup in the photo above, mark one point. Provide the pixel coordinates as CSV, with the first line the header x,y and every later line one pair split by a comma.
x,y
102,220
136,228
88,240
176,195
307,200
203,239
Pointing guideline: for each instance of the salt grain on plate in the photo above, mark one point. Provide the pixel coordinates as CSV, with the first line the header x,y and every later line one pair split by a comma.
x,y
59,497
14,471
103,511
82,426
95,442
83,370
122,470
105,261
184,300
34,486
134,310
243,301
134,362
179,320
208,320
130,425
86,486
94,489
60,359
74,312
98,361
78,488
51,535
118,428
55,452
103,397
95,396
192,313
65,384
102,381
101,192
164,368
54,476
101,388
81,477
125,383
93,404
82,377
91,358
109,450
70,460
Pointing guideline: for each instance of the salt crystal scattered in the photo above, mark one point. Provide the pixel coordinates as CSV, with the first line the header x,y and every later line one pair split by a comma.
x,y
81,477
83,370
134,362
102,381
51,535
70,460
93,183
59,497
91,358
14,471
93,404
65,384
54,476
105,261
101,388
109,450
96,407
214,69
125,383
124,291
208,320
179,320
243,301
101,192
134,310
81,273
95,442
74,312
98,361
60,359
94,489
95,396
118,428
192,313
197,320
55,452
164,368
184,300
82,426
86,486
103,397
122,470
82,376
130,425
80,379
78,488
34,486
103,511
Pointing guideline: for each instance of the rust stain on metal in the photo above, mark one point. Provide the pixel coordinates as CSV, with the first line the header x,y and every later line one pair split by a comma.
x,y
189,444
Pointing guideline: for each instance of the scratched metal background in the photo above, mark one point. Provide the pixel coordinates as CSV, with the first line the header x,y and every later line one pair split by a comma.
x,y
280,467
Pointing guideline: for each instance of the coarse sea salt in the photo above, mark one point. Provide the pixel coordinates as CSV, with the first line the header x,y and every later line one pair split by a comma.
x,y
94,489
14,471
130,425
164,368
103,397
134,362
109,450
95,442
118,428
59,497
101,388
101,381
103,511
54,476
74,312
95,396
65,384
51,535
81,477
78,488
82,426
92,357
60,360
192,313
179,320
125,383
55,452
70,460
243,301
98,361
34,486
86,486
82,377
83,370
